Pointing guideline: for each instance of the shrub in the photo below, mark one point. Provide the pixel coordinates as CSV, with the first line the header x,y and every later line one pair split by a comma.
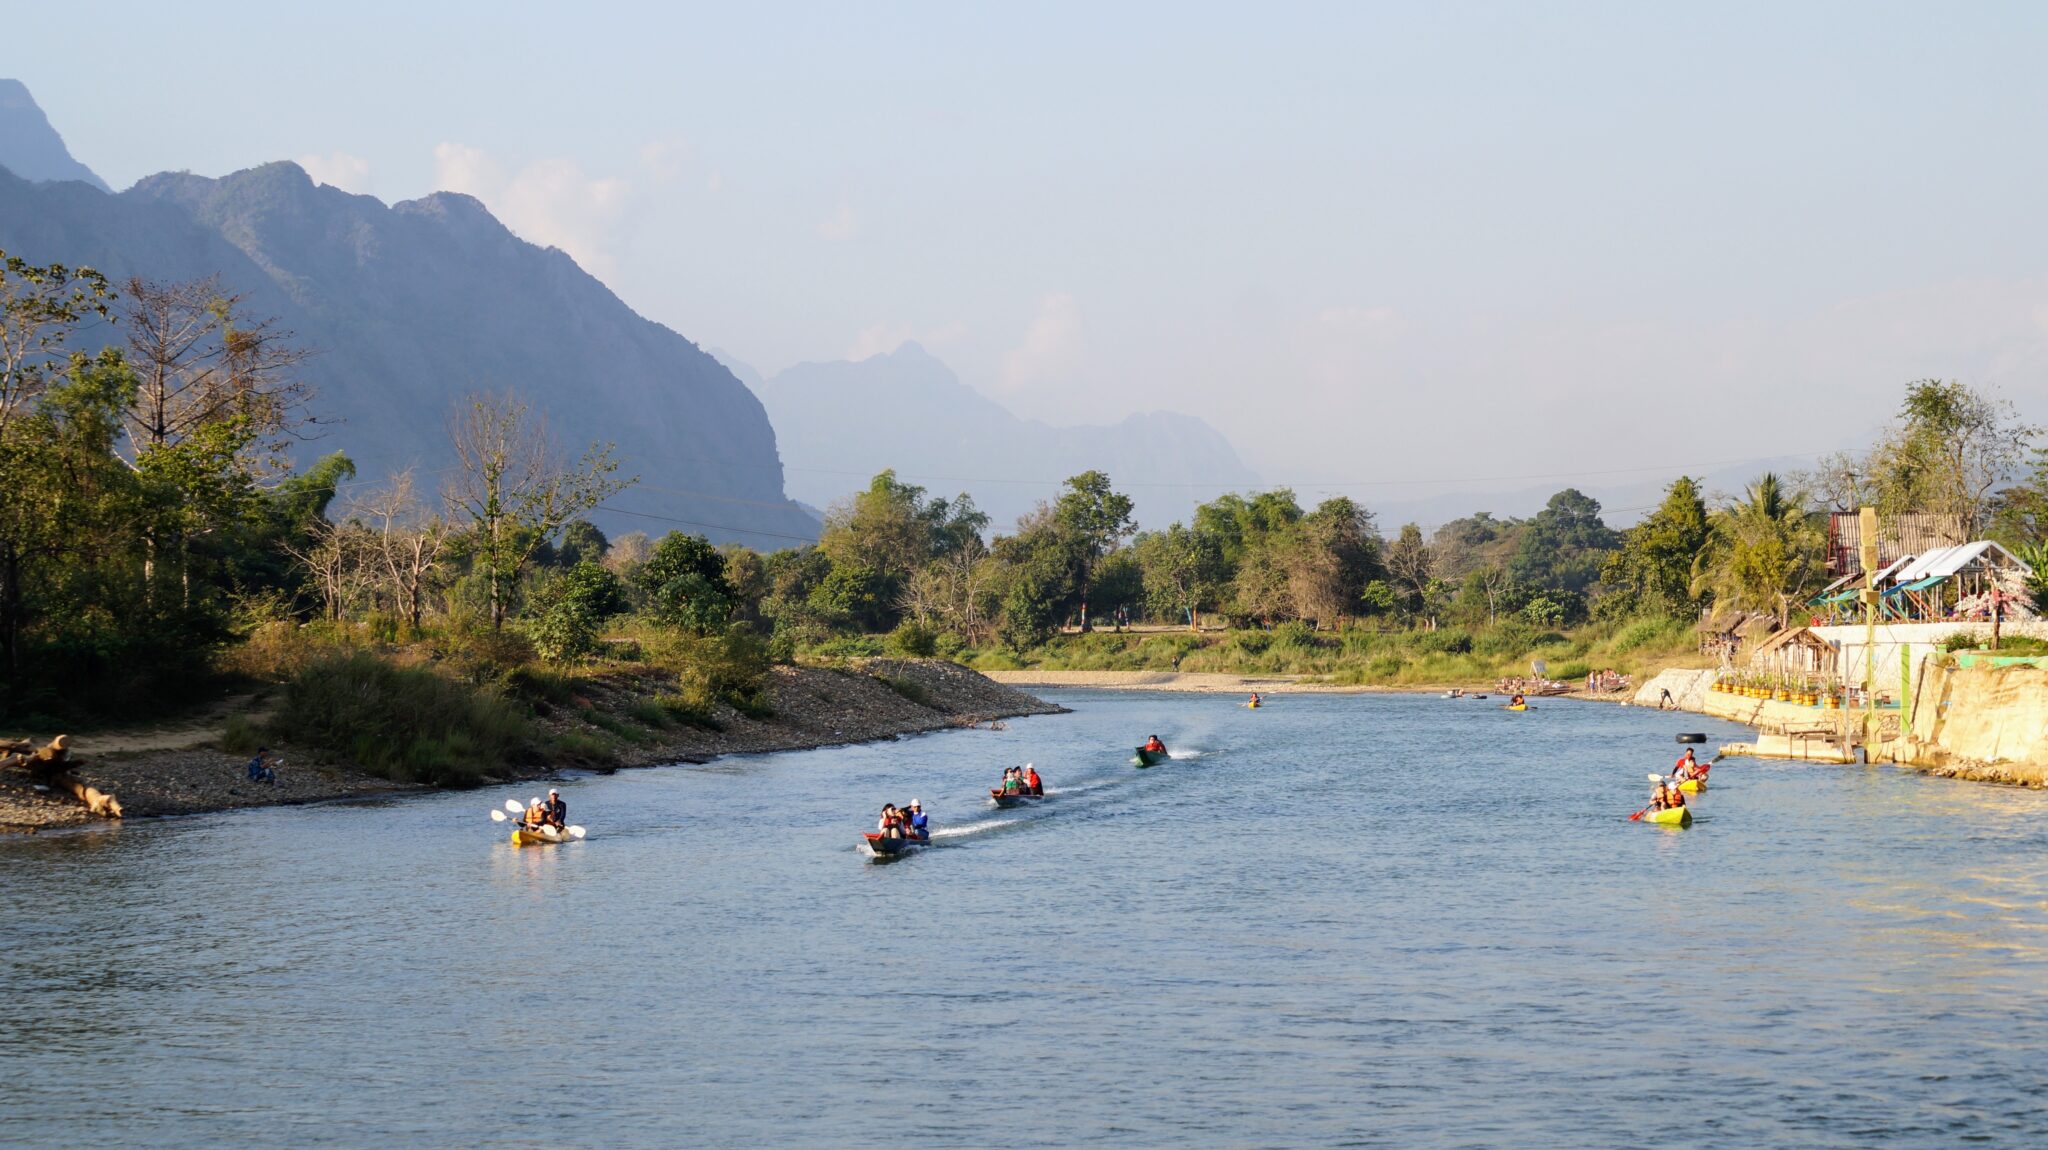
x,y
572,608
649,713
1645,633
683,710
240,736
407,723
482,655
908,689
1448,641
914,640
1960,641
1505,639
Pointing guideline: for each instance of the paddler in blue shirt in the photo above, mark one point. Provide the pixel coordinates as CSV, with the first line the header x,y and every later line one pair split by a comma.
x,y
919,826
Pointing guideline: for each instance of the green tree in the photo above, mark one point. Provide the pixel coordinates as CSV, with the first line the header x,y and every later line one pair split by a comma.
x,y
1763,552
1183,572
1096,518
1652,572
1949,448
1564,545
572,607
685,585
1332,553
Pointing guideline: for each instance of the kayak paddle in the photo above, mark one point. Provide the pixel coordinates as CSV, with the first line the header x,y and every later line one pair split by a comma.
x,y
513,806
497,816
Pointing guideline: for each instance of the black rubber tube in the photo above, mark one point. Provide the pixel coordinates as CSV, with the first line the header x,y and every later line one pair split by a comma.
x,y
1693,737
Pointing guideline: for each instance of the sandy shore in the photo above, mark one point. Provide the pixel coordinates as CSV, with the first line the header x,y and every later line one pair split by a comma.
x,y
174,770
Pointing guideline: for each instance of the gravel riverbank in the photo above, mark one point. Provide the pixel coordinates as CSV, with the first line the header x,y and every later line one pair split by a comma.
x,y
814,707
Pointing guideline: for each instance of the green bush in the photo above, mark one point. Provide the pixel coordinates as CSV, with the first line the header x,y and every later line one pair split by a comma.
x,y
684,710
649,713
1447,641
413,724
1645,633
914,640
908,689
240,736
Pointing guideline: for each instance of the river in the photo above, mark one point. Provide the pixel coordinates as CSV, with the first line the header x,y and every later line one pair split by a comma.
x,y
1336,921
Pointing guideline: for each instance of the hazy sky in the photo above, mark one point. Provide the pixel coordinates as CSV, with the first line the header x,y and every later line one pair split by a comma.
x,y
1369,242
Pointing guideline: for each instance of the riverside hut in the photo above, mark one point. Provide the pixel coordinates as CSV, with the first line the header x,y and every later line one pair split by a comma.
x,y
1797,652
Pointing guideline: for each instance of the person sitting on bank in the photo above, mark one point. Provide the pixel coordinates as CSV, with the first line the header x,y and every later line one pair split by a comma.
x,y
920,827
1033,785
555,812
1155,746
261,768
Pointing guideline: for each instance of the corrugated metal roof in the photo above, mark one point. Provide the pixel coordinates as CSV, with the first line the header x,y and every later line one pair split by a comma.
x,y
1943,562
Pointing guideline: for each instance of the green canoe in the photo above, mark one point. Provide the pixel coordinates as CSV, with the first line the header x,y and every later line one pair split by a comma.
x,y
1151,758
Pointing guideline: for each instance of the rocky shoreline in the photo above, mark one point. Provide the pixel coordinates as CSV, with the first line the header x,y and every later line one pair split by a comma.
x,y
863,701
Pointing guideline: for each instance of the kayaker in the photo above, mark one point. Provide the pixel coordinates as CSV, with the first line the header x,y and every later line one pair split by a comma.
x,y
536,814
920,827
1255,699
1687,767
555,812
1155,746
1517,701
1032,783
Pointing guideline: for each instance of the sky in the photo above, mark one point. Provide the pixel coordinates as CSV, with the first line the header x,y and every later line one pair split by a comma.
x,y
1388,249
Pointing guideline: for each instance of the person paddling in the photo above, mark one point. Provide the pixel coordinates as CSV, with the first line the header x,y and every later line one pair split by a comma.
x,y
555,812
1688,767
1255,699
536,814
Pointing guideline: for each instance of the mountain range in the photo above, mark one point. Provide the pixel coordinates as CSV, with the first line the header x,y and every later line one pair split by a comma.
x,y
408,308
841,422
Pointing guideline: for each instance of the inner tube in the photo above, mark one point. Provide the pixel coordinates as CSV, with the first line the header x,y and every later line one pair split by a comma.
x,y
1692,737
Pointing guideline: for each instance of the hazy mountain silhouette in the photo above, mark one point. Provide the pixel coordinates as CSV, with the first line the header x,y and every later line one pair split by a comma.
x,y
412,306
30,147
839,423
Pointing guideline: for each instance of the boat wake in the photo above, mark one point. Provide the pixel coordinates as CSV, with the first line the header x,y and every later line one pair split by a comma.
x,y
1178,754
969,829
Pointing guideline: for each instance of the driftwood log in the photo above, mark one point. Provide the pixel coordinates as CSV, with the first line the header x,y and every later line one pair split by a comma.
x,y
52,766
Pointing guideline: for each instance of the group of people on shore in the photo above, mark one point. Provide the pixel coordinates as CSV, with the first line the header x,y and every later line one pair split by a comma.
x,y
905,822
1529,686
1608,681
1022,780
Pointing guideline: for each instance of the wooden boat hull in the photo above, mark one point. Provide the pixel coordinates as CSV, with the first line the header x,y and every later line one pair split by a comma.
x,y
882,846
1670,817
1151,758
1006,801
522,837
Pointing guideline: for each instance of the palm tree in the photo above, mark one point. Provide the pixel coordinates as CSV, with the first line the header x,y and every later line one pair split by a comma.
x,y
1763,552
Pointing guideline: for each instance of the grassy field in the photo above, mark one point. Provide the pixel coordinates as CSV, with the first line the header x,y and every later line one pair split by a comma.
x,y
1446,657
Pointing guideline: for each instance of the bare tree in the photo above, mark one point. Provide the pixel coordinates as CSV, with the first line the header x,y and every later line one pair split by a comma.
x,y
514,491
336,556
405,544
201,360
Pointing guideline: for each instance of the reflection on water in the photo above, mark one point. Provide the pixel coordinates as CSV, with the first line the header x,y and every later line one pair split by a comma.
x,y
1370,921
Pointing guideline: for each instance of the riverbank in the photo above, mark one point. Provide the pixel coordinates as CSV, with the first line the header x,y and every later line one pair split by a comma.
x,y
814,706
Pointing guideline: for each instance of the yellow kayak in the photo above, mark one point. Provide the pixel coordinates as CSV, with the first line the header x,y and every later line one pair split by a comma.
x,y
522,837
1516,707
1670,816
1692,786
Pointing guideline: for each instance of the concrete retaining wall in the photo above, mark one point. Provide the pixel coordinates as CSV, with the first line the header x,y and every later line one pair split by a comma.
x,y
1981,723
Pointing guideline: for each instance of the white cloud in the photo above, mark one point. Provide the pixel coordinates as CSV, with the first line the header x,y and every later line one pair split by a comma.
x,y
840,226
881,338
339,170
1051,347
665,160
550,202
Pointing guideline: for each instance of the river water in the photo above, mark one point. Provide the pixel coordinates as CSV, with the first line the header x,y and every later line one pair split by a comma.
x,y
1335,921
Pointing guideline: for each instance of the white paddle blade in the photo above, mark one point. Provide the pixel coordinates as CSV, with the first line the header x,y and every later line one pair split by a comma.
x,y
577,832
497,816
1655,778
513,806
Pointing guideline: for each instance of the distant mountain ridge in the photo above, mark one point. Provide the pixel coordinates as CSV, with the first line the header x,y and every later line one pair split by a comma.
x,y
30,147
839,423
412,306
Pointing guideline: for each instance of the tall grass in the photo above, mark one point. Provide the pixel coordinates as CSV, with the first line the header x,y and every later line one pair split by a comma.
x,y
409,723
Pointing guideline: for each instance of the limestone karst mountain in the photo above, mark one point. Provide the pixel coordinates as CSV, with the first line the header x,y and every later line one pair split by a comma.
x,y
411,306
914,414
